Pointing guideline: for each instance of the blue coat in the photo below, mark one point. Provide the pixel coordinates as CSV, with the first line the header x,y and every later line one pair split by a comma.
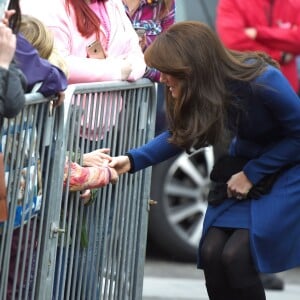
x,y
268,133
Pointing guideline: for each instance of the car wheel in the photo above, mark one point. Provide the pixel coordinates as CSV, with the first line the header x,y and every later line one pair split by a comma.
x,y
180,187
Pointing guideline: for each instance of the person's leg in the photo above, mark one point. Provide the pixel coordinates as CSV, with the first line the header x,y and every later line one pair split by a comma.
x,y
217,285
239,268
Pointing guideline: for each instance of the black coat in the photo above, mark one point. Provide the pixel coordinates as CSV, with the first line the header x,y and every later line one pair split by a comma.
x,y
12,87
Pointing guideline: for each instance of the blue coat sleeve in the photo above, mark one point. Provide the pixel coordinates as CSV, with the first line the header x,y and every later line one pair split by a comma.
x,y
38,70
284,104
154,152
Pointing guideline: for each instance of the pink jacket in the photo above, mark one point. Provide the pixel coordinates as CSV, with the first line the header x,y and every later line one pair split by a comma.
x,y
122,43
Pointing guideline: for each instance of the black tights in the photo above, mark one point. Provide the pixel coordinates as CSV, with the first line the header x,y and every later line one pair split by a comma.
x,y
228,266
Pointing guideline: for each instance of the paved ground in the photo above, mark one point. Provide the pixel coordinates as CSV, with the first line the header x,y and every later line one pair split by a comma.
x,y
165,280
191,289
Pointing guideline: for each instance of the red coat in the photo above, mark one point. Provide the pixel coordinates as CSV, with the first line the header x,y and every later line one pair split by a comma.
x,y
278,29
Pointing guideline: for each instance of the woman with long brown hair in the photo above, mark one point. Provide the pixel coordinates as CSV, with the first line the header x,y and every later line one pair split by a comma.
x,y
213,92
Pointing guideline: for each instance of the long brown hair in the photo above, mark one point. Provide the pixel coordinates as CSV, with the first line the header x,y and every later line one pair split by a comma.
x,y
191,52
86,20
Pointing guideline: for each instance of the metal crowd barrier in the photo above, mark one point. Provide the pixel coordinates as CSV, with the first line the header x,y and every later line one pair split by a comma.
x,y
53,246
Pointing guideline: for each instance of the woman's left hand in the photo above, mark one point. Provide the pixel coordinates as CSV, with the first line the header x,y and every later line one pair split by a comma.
x,y
238,186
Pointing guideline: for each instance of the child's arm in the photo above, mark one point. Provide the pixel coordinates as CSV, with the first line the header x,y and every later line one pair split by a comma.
x,y
83,178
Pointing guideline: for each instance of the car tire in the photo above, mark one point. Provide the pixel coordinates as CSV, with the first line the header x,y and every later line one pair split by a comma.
x,y
180,187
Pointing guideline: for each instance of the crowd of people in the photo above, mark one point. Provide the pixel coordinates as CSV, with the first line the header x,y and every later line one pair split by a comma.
x,y
240,82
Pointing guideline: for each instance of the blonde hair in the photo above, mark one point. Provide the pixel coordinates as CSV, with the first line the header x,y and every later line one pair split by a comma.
x,y
57,60
38,35
42,39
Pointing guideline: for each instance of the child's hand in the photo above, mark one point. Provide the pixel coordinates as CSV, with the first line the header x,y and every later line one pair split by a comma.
x,y
60,99
114,176
86,196
96,158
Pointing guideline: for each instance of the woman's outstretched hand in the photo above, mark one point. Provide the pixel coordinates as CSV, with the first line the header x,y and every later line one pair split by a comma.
x,y
120,163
